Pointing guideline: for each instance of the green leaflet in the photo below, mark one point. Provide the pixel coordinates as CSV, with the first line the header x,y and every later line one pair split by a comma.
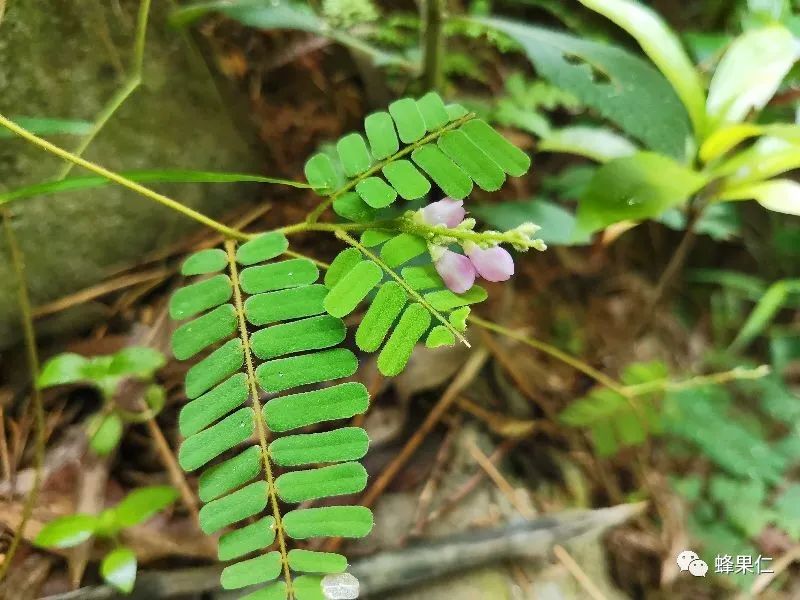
x,y
307,408
422,278
335,480
402,248
252,571
241,542
347,443
447,300
205,331
306,561
338,521
274,591
296,336
341,265
219,421
447,145
385,308
212,260
440,336
412,326
352,288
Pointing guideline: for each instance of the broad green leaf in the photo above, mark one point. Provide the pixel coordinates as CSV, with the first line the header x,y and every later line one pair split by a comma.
x,y
284,305
334,480
201,412
413,324
381,134
252,571
66,532
205,446
230,474
230,509
204,262
472,160
346,443
557,223
598,143
352,288
278,275
663,47
354,154
62,369
778,195
750,72
149,176
105,432
45,126
408,120
202,332
636,187
620,86
381,314
509,158
214,368
284,373
307,561
341,265
199,297
118,569
141,504
307,408
444,172
764,312
247,539
334,521
262,248
406,179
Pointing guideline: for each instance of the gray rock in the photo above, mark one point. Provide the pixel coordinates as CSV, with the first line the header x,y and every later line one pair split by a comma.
x,y
64,62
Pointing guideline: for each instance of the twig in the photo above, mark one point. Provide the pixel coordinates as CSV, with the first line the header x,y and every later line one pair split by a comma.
x,y
501,482
433,43
781,564
573,567
131,84
32,355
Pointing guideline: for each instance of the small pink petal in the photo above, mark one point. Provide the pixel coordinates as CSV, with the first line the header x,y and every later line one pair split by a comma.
x,y
456,271
444,212
493,264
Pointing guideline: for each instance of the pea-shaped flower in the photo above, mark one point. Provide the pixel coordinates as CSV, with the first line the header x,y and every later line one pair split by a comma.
x,y
456,270
493,264
446,211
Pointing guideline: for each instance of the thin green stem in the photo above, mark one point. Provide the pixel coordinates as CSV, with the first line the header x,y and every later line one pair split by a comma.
x,y
737,374
575,363
411,292
124,182
479,237
323,206
26,318
433,43
132,83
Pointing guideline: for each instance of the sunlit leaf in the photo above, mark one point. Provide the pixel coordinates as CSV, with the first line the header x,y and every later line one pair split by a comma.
x,y
598,143
119,569
68,531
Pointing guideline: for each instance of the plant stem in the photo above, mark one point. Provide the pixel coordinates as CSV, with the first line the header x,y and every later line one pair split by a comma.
x,y
737,374
261,430
124,182
132,83
433,43
26,318
325,204
552,351
411,292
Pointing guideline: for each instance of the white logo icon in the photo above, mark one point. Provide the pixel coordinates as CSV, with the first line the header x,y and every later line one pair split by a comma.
x,y
685,558
698,568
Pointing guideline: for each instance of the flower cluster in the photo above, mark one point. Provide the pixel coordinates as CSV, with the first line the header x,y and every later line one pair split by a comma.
x,y
483,256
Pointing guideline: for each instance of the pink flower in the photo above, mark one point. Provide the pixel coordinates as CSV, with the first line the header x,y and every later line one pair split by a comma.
x,y
456,270
493,264
444,212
